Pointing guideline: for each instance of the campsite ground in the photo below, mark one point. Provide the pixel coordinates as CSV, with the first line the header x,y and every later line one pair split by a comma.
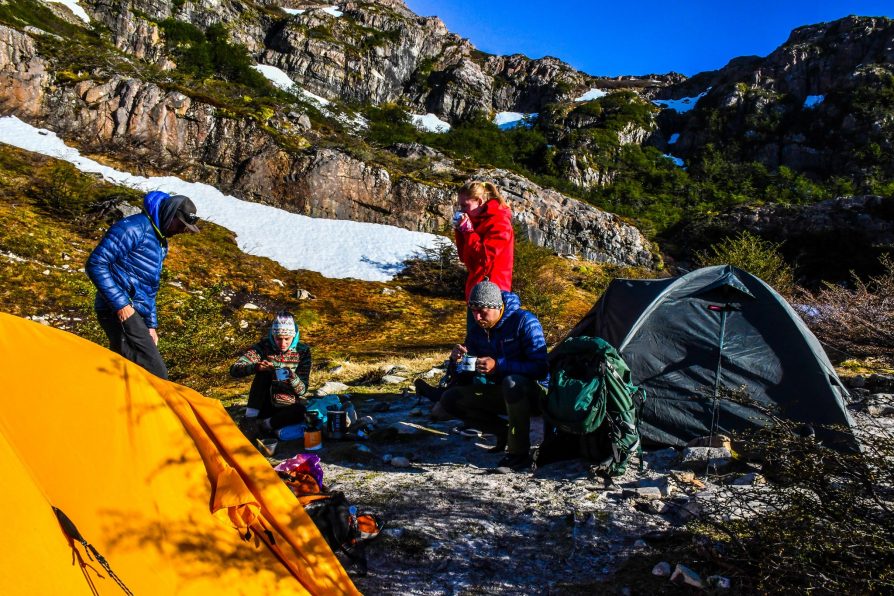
x,y
454,524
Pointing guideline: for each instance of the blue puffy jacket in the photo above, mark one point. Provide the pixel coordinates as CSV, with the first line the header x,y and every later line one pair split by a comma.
x,y
516,342
126,265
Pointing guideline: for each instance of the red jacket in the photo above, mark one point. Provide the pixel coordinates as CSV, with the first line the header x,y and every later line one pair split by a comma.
x,y
487,251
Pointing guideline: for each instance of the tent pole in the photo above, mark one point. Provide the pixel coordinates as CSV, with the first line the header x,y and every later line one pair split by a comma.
x,y
715,410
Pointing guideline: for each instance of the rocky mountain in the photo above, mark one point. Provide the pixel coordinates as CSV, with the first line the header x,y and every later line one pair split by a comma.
x,y
821,104
151,123
173,87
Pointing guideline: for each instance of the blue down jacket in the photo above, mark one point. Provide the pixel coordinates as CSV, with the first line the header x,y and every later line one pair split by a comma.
x,y
126,265
516,342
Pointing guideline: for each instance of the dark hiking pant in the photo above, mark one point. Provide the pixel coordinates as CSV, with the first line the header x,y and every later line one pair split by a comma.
x,y
131,339
482,405
259,399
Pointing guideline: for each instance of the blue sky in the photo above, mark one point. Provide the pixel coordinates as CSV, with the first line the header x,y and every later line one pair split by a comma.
x,y
638,36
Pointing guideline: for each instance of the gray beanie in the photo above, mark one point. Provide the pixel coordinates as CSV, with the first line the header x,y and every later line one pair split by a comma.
x,y
486,294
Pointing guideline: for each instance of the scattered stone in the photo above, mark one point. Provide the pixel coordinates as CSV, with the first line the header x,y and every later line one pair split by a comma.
x,y
304,295
278,282
46,271
243,324
722,441
640,544
749,479
388,292
416,412
393,379
662,484
643,492
701,458
332,388
687,477
431,374
387,458
880,404
662,569
400,462
719,582
250,306
685,576
858,381
337,370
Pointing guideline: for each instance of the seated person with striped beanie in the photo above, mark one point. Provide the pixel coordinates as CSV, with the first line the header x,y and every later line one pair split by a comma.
x,y
509,376
281,369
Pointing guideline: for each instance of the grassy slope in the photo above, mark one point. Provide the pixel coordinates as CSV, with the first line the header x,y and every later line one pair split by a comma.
x,y
207,280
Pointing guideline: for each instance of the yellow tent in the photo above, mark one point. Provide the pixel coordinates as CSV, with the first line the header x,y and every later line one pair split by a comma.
x,y
154,476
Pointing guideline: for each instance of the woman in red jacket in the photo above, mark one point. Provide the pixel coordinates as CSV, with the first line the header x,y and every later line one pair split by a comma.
x,y
484,235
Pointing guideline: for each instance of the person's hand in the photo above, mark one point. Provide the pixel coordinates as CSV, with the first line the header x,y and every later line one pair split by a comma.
x,y
154,335
264,366
125,313
458,352
463,224
485,365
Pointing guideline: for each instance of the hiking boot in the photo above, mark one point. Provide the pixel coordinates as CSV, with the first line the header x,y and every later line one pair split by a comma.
x,y
515,461
425,390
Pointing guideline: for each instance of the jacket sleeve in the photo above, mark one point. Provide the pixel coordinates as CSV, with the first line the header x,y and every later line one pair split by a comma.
x,y
117,242
300,379
533,363
482,245
245,364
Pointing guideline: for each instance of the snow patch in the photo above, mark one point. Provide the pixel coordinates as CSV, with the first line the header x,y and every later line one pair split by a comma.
x,y
429,123
507,120
813,100
673,138
593,93
333,10
74,7
676,160
293,11
684,104
277,77
334,248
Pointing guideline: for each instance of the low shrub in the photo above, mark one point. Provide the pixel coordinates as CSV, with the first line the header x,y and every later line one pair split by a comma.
x,y
858,321
756,256
824,522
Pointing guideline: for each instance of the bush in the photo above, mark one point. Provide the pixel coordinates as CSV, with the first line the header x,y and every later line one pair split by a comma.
x,y
823,523
754,255
858,322
436,271
64,191
539,289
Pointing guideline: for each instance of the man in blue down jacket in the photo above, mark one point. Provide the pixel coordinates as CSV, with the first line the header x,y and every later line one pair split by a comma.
x,y
126,267
510,372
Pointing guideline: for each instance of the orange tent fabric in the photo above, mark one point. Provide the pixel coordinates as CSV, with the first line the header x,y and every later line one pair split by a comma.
x,y
156,477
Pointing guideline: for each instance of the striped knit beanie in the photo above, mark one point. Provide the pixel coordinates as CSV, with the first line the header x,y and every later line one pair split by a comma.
x,y
486,294
283,325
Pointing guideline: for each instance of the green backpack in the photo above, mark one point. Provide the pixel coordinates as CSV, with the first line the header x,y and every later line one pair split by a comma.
x,y
590,394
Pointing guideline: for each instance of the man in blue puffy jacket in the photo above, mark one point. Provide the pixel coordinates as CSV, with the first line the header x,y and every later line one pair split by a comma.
x,y
126,267
508,376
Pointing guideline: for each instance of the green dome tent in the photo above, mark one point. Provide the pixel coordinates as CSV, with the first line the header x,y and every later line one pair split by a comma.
x,y
718,342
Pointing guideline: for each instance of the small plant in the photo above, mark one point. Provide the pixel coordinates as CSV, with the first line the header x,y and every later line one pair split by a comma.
x,y
436,271
755,255
64,191
533,280
824,522
857,322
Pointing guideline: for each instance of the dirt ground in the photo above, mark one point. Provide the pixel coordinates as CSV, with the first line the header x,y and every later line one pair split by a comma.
x,y
454,524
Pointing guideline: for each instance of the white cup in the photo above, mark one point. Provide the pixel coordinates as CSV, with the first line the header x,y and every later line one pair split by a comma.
x,y
467,364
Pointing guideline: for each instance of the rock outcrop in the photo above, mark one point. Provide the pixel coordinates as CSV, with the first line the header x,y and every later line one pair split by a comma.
x,y
155,130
